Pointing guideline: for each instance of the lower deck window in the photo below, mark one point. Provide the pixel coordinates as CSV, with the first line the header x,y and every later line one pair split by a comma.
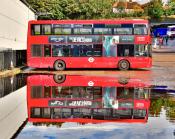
x,y
142,50
77,50
36,50
125,50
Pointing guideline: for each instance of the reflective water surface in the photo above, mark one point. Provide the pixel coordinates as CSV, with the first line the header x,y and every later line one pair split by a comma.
x,y
74,106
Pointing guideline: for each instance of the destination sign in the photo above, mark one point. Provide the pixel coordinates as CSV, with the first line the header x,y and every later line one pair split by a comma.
x,y
57,39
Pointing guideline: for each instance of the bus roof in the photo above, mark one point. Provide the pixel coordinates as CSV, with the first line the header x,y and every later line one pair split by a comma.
x,y
102,21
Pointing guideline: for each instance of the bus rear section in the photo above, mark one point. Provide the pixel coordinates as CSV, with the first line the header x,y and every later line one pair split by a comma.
x,y
89,44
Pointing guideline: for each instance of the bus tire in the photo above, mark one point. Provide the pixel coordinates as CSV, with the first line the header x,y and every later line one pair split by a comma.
x,y
59,65
123,65
58,78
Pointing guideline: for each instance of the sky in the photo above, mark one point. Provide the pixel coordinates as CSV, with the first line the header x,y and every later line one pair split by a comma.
x,y
155,128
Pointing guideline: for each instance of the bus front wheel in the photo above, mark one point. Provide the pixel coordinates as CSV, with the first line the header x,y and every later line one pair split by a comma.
x,y
59,78
59,65
123,65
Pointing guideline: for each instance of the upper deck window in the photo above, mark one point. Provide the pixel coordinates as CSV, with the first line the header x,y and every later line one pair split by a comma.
x,y
102,31
36,30
140,29
46,29
82,31
82,25
123,31
61,29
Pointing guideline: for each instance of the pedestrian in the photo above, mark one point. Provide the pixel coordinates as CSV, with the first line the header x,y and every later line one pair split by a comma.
x,y
160,41
166,39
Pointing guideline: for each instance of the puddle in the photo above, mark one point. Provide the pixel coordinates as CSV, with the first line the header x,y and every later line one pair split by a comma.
x,y
77,106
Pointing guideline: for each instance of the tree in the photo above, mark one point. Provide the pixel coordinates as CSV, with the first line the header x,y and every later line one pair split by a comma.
x,y
172,6
154,9
73,9
138,11
47,9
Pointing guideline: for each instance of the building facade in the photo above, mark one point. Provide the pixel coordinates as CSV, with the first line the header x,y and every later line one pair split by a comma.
x,y
14,17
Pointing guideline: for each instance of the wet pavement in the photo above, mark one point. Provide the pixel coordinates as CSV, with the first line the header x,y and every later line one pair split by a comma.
x,y
84,104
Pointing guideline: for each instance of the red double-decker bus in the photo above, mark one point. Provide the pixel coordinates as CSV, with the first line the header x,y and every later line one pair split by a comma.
x,y
91,100
61,44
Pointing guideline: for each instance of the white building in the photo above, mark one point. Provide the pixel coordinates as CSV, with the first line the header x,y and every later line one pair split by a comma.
x,y
14,17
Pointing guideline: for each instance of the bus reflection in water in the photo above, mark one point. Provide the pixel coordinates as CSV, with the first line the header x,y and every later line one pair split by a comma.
x,y
90,100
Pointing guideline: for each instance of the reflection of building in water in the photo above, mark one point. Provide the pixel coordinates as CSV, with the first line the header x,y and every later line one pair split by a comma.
x,y
13,110
73,101
11,84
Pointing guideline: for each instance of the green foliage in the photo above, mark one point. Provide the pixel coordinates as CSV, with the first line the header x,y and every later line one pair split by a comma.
x,y
95,9
172,7
73,9
155,9
167,103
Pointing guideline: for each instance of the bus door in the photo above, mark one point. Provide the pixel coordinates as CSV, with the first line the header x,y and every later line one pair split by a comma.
x,y
47,55
142,55
125,51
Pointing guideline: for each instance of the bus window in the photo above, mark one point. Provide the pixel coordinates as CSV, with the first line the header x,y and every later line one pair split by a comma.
x,y
46,113
57,50
56,91
139,114
141,50
47,50
82,31
127,113
61,50
36,92
36,112
140,31
102,31
82,25
75,51
37,50
61,31
141,93
47,90
36,30
123,31
46,29
56,113
66,113
124,50
97,50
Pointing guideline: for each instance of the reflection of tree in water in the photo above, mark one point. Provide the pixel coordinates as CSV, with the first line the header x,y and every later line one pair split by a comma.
x,y
155,107
167,103
170,109
57,124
